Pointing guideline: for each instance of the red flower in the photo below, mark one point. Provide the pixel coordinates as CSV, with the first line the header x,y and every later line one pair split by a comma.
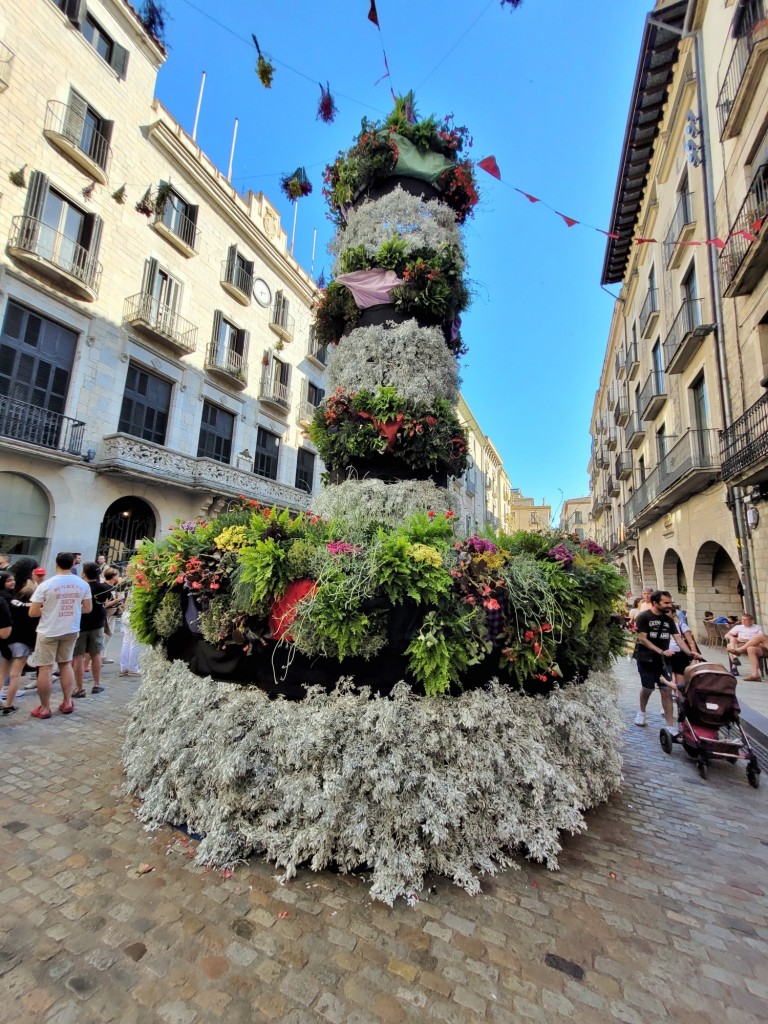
x,y
431,514
528,635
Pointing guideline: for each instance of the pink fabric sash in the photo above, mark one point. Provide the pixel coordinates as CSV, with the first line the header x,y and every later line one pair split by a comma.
x,y
370,287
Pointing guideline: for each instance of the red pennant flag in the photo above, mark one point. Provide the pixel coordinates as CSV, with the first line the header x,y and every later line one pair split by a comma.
x,y
530,198
568,220
746,234
641,241
717,242
610,234
757,225
372,15
489,164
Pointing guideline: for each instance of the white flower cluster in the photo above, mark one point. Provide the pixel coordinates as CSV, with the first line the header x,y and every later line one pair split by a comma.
x,y
413,359
405,785
362,503
396,215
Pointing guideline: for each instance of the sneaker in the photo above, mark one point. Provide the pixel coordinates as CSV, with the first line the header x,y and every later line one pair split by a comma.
x,y
734,670
31,686
735,661
640,720
10,711
671,729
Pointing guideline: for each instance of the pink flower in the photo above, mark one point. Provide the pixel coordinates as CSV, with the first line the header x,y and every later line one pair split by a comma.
x,y
492,604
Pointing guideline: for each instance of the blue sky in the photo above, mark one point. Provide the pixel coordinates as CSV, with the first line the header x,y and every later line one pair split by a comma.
x,y
544,88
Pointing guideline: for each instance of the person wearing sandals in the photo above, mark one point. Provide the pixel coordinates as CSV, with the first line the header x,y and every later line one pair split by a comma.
x,y
58,603
22,639
91,638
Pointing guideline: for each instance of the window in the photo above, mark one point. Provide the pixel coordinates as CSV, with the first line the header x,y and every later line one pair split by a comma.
x,y
229,347
685,200
163,292
305,470
315,395
701,416
58,231
658,371
87,129
238,271
98,38
661,443
36,357
267,453
146,404
641,468
690,294
179,216
580,533
577,517
280,315
216,432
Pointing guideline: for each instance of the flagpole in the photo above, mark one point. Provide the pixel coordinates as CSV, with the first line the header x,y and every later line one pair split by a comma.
x,y
199,104
314,244
293,233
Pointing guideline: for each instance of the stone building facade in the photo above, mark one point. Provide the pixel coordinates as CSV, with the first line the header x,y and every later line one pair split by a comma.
x,y
679,413
156,353
575,517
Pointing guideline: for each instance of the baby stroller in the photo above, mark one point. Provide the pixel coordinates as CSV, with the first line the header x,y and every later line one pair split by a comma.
x,y
709,721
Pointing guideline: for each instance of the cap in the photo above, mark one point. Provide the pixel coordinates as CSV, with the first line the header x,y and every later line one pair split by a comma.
x,y
39,572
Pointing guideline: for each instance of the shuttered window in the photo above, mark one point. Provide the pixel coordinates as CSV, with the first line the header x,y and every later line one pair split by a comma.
x,y
305,470
216,431
267,453
36,358
146,404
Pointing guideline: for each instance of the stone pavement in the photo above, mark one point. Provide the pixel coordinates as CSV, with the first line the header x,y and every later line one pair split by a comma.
x,y
658,911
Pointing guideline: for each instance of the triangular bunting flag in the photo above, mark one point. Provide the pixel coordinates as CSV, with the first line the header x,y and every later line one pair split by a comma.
x,y
756,225
717,242
373,15
643,241
530,198
610,234
489,164
746,234
568,220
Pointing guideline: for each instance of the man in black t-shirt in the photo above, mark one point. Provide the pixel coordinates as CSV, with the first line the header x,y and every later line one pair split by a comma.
x,y
652,654
91,638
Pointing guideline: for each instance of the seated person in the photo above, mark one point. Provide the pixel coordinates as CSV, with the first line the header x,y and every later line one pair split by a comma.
x,y
721,620
747,638
709,616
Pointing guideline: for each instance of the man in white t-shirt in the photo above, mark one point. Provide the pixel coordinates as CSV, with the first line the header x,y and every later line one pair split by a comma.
x,y
748,638
58,603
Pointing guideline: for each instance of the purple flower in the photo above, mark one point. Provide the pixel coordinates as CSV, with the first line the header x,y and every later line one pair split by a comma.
x,y
340,547
561,554
592,547
479,545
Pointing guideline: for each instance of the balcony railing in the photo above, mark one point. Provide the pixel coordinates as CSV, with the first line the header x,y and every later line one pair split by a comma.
x,y
281,322
612,488
6,61
621,412
237,281
733,98
73,133
623,466
677,233
149,315
684,337
55,255
632,362
317,351
618,366
690,466
274,392
306,412
634,433
228,361
611,438
600,503
745,443
744,257
40,427
179,229
612,541
653,396
650,310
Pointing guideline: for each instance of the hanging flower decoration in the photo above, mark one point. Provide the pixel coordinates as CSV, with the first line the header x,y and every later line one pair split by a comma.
x,y
326,108
296,185
265,69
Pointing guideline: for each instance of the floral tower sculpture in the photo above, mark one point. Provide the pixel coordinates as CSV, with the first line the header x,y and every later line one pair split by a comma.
x,y
404,698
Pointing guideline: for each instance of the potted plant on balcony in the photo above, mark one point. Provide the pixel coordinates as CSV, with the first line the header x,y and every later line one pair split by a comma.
x,y
145,204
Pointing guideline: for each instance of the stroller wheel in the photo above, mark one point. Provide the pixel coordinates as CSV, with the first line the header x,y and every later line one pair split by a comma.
x,y
703,767
753,774
666,741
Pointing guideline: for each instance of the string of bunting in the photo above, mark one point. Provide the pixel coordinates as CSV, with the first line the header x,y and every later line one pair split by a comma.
x,y
490,165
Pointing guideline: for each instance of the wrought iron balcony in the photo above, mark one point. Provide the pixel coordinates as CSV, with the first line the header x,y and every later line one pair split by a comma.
x,y
55,256
649,314
618,366
611,438
744,258
600,456
153,318
621,412
274,393
6,62
744,70
40,427
178,229
685,335
600,503
634,433
653,396
612,541
237,281
690,466
75,136
623,466
317,352
613,395
306,413
281,323
612,488
681,229
632,362
228,362
744,445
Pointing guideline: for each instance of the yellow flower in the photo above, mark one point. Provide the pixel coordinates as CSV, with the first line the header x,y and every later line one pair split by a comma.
x,y
231,539
425,553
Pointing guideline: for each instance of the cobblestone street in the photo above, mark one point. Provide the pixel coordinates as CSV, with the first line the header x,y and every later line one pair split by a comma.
x,y
659,911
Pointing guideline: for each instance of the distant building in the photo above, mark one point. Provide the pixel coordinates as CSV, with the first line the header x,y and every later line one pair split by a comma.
x,y
483,491
156,352
575,517
525,514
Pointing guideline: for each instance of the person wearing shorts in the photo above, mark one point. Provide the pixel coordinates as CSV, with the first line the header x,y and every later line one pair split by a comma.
x,y
655,628
58,603
91,639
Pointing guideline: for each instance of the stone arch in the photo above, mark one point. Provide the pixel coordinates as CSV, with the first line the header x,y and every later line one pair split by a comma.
x,y
649,571
673,576
126,522
635,579
25,515
624,570
716,580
